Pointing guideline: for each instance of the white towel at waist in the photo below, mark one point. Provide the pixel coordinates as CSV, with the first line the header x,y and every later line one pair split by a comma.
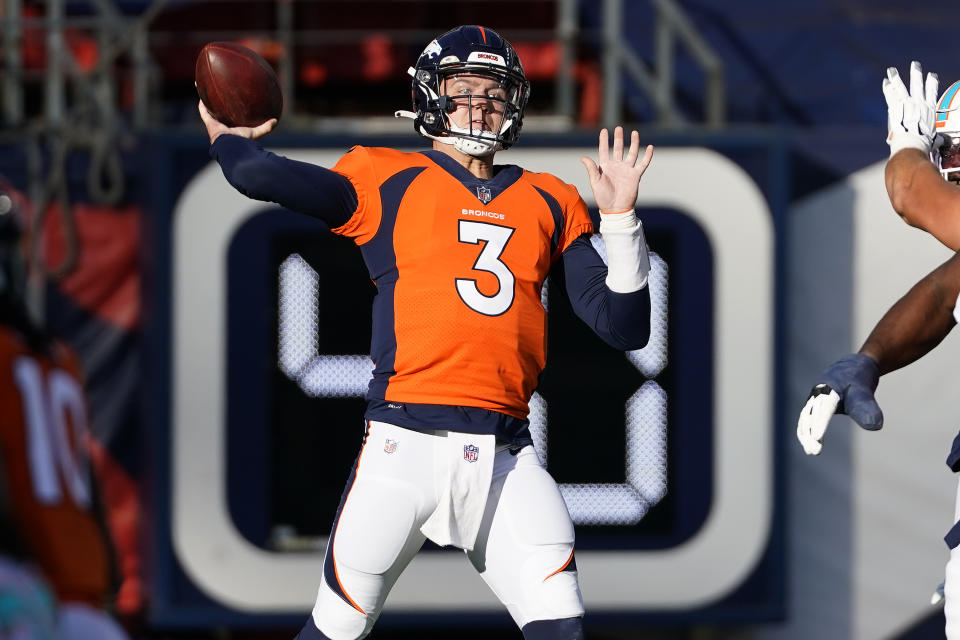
x,y
463,468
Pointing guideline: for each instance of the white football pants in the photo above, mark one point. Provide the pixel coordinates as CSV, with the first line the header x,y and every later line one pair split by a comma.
x,y
524,549
951,585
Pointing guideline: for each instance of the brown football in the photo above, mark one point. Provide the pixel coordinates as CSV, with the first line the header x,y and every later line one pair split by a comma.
x,y
238,87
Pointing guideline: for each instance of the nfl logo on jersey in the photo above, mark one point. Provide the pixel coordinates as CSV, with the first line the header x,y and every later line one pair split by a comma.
x,y
471,452
484,194
390,445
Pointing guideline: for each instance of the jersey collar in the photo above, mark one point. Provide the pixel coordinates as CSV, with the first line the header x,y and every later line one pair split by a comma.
x,y
504,175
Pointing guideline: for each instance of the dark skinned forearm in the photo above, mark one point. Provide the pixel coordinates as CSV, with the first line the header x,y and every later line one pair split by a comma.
x,y
918,322
900,174
922,198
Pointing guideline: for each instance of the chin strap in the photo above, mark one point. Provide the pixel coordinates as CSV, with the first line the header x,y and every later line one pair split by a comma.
x,y
478,145
468,145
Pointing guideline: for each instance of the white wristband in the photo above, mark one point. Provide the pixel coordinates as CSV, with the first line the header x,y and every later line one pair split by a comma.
x,y
902,140
628,260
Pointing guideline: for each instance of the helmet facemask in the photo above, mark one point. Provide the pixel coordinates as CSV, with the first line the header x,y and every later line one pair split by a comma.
x,y
498,85
946,146
458,98
946,154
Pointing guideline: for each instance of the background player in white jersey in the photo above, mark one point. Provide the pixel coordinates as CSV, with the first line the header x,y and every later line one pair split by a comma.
x,y
459,331
922,176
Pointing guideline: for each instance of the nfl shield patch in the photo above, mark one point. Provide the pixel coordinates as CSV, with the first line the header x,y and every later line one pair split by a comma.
x,y
471,452
390,445
484,194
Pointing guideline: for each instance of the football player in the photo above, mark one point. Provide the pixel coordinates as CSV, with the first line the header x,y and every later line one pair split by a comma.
x,y
51,493
923,172
921,178
459,249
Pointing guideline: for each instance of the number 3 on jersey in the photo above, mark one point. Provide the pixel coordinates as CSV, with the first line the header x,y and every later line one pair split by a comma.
x,y
494,239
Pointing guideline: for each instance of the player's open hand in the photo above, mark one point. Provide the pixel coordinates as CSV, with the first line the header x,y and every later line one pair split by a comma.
x,y
846,386
911,115
215,128
616,181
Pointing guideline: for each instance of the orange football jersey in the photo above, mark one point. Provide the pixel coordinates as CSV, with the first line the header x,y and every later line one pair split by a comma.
x,y
459,264
43,443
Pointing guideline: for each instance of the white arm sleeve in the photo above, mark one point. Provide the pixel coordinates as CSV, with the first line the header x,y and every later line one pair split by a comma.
x,y
628,260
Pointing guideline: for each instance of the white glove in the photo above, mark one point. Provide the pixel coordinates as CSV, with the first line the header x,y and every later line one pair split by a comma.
x,y
911,117
846,386
814,418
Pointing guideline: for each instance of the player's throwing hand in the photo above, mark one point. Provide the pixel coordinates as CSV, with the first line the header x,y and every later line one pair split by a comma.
x,y
215,128
616,181
846,386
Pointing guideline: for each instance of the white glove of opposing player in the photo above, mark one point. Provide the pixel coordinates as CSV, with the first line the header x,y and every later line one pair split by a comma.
x,y
911,117
846,386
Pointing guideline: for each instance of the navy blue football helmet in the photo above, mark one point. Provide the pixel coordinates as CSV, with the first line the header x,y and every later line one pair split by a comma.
x,y
476,51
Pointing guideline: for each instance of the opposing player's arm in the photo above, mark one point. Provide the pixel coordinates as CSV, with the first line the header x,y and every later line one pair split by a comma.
x,y
298,186
917,192
916,324
921,196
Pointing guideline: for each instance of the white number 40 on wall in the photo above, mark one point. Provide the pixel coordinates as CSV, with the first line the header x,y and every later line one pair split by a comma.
x,y
645,413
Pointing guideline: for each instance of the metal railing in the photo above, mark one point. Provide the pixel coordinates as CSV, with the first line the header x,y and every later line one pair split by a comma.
x,y
81,110
119,35
671,26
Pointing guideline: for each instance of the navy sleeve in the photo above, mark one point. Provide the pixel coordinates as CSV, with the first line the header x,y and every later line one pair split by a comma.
x,y
622,320
298,186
